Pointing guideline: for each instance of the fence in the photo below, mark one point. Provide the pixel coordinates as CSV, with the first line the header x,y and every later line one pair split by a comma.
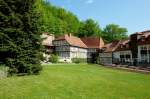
x,y
132,61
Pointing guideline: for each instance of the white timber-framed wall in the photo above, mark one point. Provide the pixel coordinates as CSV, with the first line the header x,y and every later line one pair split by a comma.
x,y
66,51
144,53
78,52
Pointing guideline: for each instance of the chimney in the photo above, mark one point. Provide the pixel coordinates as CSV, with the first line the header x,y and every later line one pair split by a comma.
x,y
69,34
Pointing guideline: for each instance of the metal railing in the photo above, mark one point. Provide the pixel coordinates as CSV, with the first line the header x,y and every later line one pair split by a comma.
x,y
132,61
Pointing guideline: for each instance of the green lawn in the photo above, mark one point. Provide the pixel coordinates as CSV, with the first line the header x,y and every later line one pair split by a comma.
x,y
77,82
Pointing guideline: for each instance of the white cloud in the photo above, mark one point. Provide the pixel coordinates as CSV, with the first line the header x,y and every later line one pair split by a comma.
x,y
89,1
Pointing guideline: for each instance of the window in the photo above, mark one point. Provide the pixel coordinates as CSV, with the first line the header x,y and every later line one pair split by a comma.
x,y
144,52
143,47
144,57
122,56
128,56
127,45
142,37
121,46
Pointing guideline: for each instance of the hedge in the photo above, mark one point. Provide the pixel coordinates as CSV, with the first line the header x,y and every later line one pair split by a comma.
x,y
79,60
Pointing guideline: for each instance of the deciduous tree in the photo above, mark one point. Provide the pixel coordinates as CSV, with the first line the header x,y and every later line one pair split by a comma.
x,y
114,32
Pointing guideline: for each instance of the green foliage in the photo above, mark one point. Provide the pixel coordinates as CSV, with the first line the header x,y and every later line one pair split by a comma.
x,y
56,20
89,28
19,36
79,60
54,58
59,21
114,32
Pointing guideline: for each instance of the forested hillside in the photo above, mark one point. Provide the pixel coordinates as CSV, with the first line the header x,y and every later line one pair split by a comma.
x,y
58,21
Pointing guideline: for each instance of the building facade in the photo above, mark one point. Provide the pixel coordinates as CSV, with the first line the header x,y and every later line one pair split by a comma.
x,y
124,53
107,55
68,47
144,48
93,46
135,51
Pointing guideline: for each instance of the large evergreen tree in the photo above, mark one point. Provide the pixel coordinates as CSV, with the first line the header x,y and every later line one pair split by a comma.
x,y
19,36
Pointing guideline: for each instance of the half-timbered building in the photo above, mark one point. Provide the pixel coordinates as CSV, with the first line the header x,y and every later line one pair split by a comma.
x,y
68,47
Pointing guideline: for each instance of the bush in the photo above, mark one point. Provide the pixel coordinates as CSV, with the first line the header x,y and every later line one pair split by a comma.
x,y
20,67
34,69
54,58
79,60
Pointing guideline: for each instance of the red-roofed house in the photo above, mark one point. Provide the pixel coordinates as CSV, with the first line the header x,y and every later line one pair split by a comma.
x,y
107,52
93,46
143,43
136,50
124,53
68,47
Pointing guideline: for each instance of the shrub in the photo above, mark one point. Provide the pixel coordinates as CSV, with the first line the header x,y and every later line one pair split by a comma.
x,y
35,69
79,60
54,58
19,67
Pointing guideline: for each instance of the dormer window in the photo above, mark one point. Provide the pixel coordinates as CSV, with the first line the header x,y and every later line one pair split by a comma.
x,y
127,45
142,37
121,46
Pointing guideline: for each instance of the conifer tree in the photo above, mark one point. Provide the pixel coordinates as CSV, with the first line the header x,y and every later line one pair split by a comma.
x,y
19,37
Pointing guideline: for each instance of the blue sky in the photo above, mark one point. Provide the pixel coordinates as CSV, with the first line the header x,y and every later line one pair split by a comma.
x,y
132,14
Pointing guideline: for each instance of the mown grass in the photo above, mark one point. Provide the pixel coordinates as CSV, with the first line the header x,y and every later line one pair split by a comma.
x,y
77,82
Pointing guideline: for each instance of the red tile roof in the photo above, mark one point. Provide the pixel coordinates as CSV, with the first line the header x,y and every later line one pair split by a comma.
x,y
110,47
123,45
146,39
86,42
72,40
93,42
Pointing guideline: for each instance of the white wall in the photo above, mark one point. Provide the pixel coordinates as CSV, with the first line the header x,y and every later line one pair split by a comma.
x,y
116,55
67,52
73,52
76,52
